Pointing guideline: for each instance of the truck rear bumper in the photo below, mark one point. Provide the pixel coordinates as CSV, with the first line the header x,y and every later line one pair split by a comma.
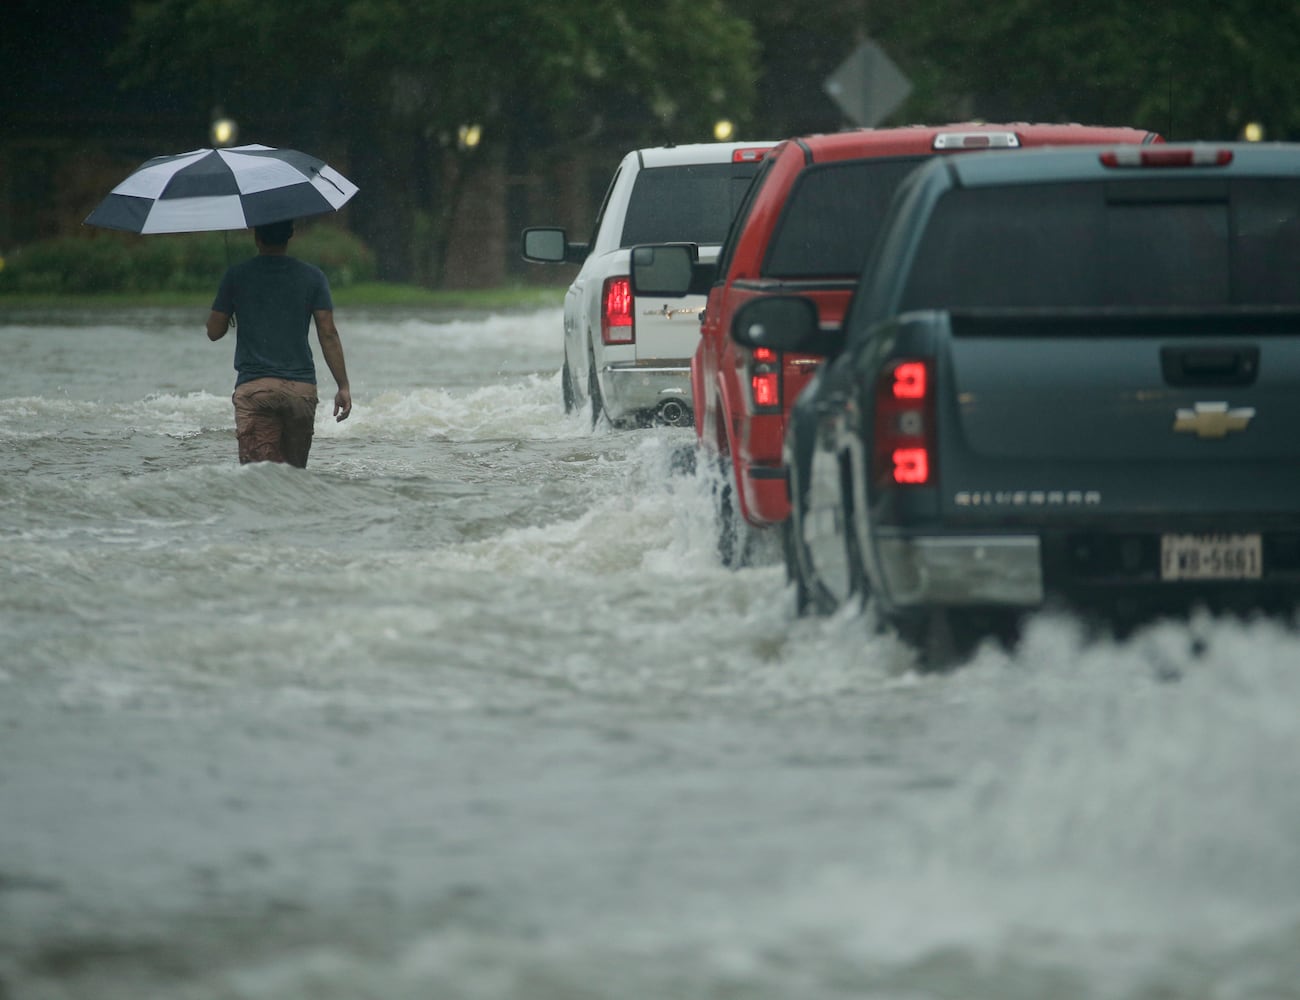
x,y
659,387
1100,570
767,494
962,570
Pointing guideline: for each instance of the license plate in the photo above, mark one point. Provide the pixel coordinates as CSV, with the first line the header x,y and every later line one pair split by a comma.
x,y
1211,557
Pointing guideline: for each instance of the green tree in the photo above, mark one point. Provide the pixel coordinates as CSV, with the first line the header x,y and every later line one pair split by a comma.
x,y
392,82
1191,69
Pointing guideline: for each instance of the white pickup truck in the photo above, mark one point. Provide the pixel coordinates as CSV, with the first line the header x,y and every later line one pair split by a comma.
x,y
631,357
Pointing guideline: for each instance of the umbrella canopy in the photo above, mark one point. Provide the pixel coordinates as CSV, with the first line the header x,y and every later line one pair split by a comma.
x,y
214,189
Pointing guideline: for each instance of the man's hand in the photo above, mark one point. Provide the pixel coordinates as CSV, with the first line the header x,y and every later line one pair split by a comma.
x,y
342,404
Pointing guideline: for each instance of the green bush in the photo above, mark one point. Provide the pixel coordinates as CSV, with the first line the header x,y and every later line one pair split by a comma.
x,y
340,254
102,261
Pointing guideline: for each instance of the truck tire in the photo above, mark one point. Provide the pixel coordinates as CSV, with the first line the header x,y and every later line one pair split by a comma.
x,y
811,594
810,598
566,387
733,532
593,392
945,638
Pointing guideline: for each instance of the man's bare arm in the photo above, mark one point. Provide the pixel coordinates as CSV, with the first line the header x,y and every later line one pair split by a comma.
x,y
218,324
332,347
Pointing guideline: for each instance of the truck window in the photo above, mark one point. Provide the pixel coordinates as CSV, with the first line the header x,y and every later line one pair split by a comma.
x,y
604,204
831,217
1095,245
685,204
742,215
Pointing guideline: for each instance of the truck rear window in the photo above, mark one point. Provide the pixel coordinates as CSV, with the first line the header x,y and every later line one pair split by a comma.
x,y
685,204
1183,244
832,215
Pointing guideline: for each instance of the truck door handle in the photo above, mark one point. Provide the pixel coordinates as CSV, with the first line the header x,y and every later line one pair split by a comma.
x,y
1209,365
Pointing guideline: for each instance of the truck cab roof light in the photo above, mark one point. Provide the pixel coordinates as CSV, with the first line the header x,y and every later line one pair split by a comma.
x,y
976,140
1155,156
748,155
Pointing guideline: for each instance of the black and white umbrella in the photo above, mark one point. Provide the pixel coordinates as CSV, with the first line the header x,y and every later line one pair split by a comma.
x,y
213,189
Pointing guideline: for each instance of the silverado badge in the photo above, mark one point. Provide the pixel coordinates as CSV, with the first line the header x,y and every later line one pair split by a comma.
x,y
670,313
1212,420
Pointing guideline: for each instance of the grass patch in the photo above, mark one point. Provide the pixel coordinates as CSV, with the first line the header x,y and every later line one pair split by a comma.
x,y
364,294
376,293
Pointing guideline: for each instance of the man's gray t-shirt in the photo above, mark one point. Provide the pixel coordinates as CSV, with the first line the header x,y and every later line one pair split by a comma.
x,y
272,298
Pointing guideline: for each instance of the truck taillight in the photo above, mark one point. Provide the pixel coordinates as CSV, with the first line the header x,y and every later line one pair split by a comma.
x,y
616,326
749,155
765,378
904,424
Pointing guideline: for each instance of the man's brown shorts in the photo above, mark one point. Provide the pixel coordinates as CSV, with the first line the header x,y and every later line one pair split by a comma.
x,y
274,420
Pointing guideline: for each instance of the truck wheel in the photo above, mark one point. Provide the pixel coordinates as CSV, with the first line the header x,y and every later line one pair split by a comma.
x,y
593,391
735,536
566,387
945,638
812,596
803,603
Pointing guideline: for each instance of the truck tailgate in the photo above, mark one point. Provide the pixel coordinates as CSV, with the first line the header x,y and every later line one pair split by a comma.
x,y
1136,413
667,329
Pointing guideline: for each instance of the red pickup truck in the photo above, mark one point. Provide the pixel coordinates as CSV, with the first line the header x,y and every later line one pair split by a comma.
x,y
804,228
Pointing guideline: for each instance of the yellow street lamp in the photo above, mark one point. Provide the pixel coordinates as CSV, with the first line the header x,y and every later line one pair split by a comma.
x,y
469,136
723,130
1253,132
224,131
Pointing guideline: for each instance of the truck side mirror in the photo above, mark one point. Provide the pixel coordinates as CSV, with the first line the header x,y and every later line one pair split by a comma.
x,y
781,323
550,245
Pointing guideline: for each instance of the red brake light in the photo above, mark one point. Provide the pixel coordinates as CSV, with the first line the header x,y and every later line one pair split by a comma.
x,y
1163,156
904,425
911,465
766,389
909,380
616,312
765,378
748,155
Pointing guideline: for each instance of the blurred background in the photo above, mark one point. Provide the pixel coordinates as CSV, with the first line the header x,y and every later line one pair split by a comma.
x,y
465,120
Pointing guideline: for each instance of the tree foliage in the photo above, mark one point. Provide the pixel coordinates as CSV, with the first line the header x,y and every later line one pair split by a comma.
x,y
396,80
1191,69
392,81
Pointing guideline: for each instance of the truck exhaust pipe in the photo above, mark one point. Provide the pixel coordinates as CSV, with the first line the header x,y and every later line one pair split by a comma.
x,y
674,413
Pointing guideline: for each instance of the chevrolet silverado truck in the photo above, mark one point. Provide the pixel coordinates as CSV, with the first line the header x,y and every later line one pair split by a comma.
x,y
805,228
1069,377
625,355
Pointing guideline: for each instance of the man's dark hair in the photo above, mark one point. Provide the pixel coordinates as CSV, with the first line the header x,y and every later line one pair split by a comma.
x,y
274,234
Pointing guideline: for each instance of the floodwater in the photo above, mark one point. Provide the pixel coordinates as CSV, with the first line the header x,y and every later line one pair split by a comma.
x,y
470,709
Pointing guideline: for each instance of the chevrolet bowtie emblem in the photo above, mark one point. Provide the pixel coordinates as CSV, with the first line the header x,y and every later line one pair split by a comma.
x,y
1212,420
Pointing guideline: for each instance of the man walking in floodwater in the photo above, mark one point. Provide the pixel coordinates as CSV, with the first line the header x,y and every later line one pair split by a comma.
x,y
272,299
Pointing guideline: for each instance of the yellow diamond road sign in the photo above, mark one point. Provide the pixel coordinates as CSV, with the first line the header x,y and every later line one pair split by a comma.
x,y
867,86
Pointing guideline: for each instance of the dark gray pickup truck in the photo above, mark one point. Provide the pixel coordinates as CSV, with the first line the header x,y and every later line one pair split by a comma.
x,y
1067,376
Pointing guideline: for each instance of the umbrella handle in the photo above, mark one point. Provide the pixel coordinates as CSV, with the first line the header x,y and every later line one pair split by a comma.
x,y
225,238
